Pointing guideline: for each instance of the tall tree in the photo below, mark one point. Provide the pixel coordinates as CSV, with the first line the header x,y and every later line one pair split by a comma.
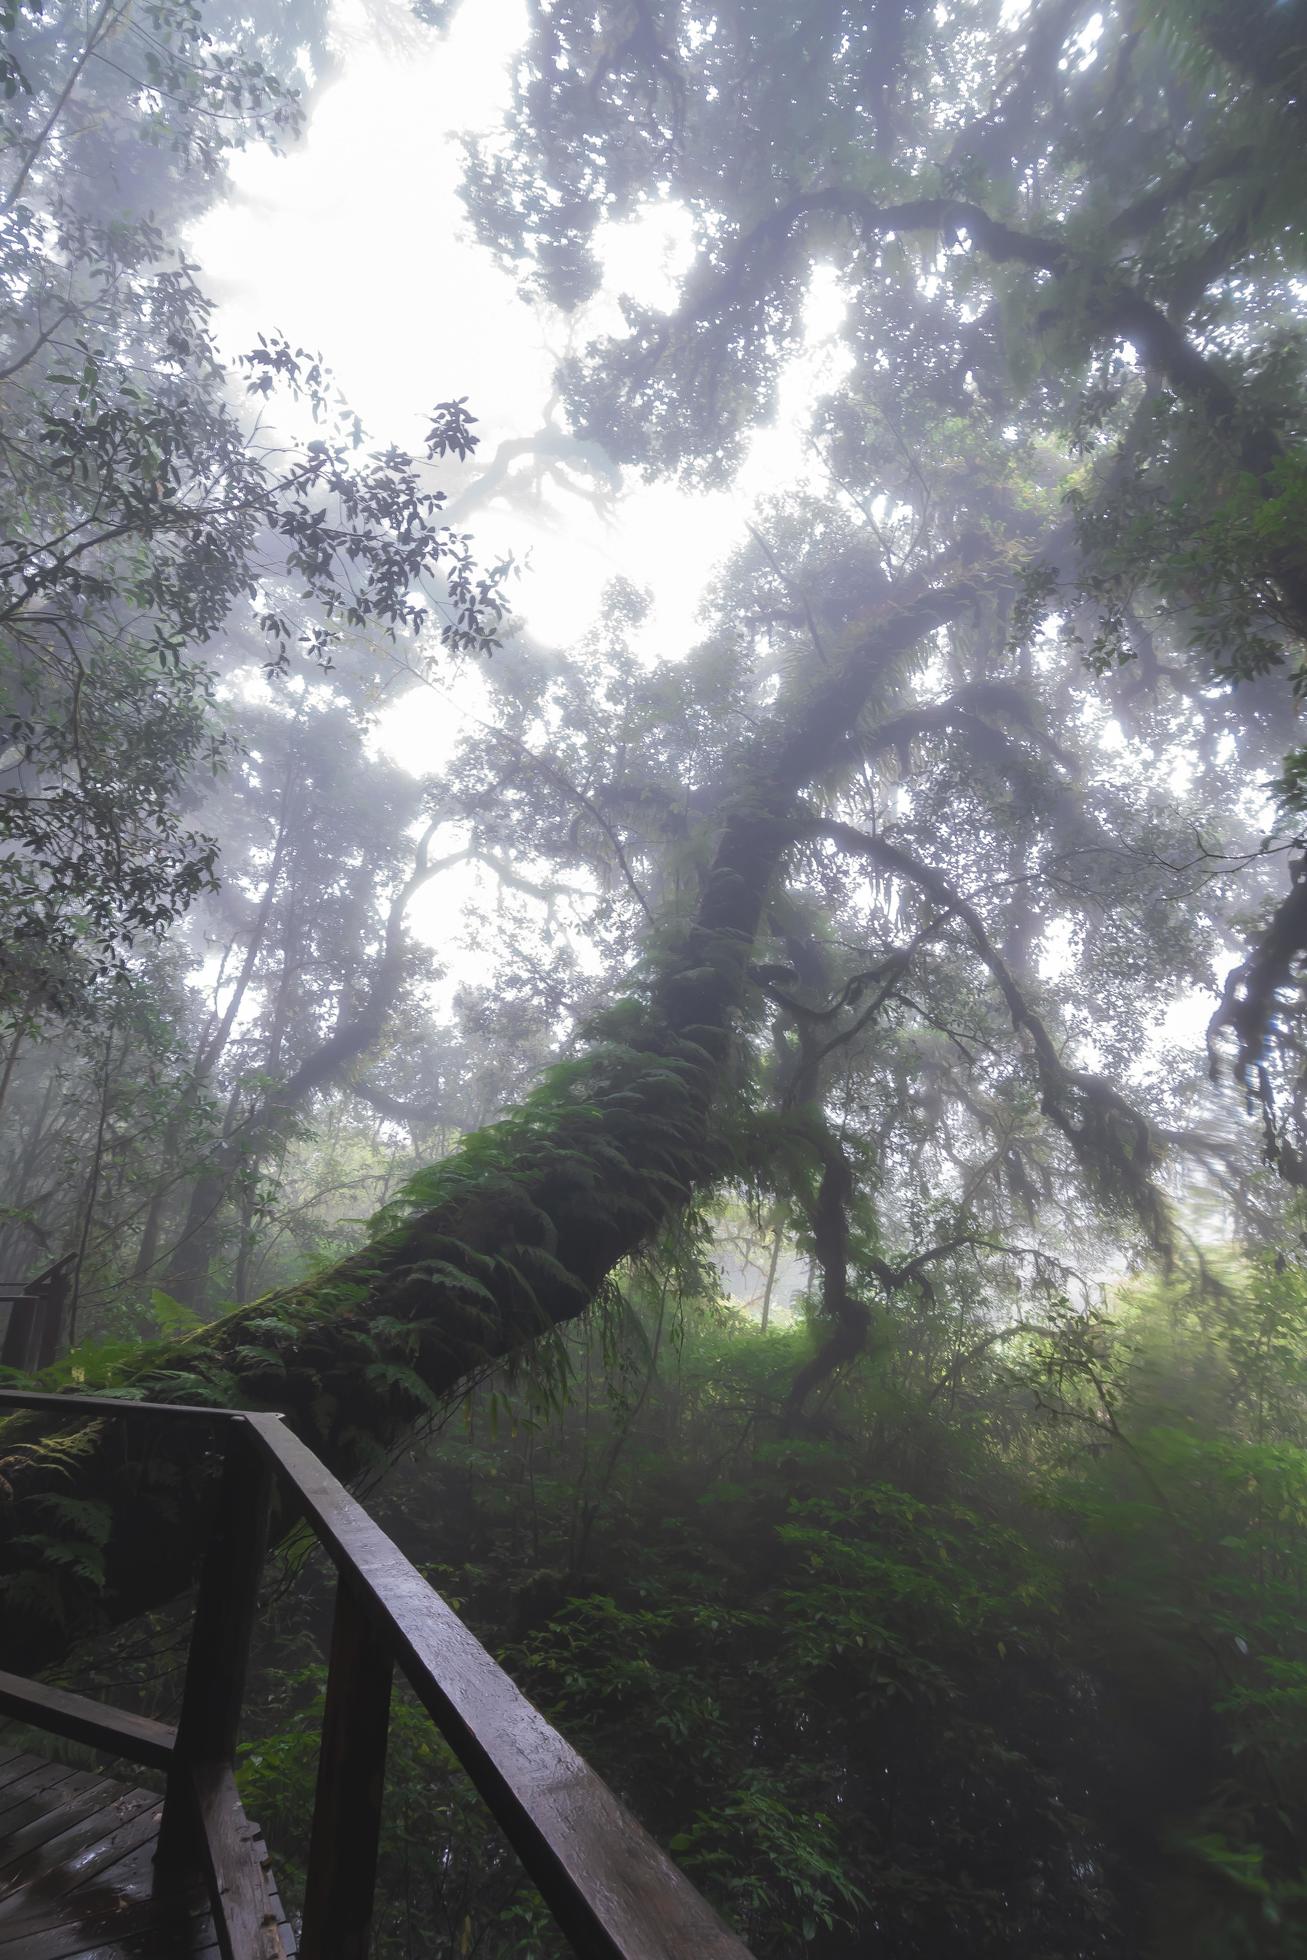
x,y
946,807
161,535
142,508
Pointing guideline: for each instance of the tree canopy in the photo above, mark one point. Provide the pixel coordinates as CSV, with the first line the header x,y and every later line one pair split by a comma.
x,y
933,927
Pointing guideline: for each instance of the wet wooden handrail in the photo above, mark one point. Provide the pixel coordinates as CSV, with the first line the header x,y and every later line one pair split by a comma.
x,y
613,1891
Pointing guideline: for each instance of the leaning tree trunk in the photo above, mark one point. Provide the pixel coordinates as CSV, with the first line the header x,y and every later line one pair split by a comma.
x,y
509,1236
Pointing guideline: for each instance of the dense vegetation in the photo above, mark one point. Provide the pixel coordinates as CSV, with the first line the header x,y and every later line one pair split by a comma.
x,y
954,1597
1007,1655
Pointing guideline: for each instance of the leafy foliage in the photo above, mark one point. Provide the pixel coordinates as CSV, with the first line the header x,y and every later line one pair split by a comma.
x,y
1006,1673
964,1611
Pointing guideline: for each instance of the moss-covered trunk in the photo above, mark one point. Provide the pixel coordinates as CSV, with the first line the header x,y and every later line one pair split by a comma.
x,y
510,1235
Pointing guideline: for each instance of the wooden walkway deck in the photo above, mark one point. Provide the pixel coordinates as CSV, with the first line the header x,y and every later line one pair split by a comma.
x,y
77,1879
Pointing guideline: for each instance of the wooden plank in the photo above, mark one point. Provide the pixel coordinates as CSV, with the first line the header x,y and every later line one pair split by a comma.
x,y
150,1926
98,1914
156,1945
70,1944
92,1943
210,1948
288,1940
342,1873
88,1890
214,1952
78,1793
259,1851
235,1861
18,1770
614,1892
135,1737
135,1875
27,1795
85,1904
81,1848
147,1946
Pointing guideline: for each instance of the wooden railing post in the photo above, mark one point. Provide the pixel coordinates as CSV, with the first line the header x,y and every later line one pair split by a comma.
x,y
53,1290
22,1342
37,1308
225,1609
342,1874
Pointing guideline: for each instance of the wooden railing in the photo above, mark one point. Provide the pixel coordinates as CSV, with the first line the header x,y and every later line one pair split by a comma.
x,y
613,1892
22,1343
38,1307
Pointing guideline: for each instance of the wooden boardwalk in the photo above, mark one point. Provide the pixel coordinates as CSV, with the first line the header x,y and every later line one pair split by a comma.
x,y
76,1874
77,1878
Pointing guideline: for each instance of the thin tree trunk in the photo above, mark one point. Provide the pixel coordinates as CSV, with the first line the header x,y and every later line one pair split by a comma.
x,y
778,1239
92,1193
11,1058
187,1271
147,1252
244,1255
104,20
31,1152
190,1261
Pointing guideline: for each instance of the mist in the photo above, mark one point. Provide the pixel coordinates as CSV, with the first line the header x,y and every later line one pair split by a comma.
x,y
652,880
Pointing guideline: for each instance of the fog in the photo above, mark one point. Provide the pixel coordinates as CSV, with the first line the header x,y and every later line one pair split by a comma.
x,y
653,803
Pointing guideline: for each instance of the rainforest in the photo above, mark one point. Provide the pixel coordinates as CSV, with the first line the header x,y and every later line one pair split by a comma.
x,y
653,880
